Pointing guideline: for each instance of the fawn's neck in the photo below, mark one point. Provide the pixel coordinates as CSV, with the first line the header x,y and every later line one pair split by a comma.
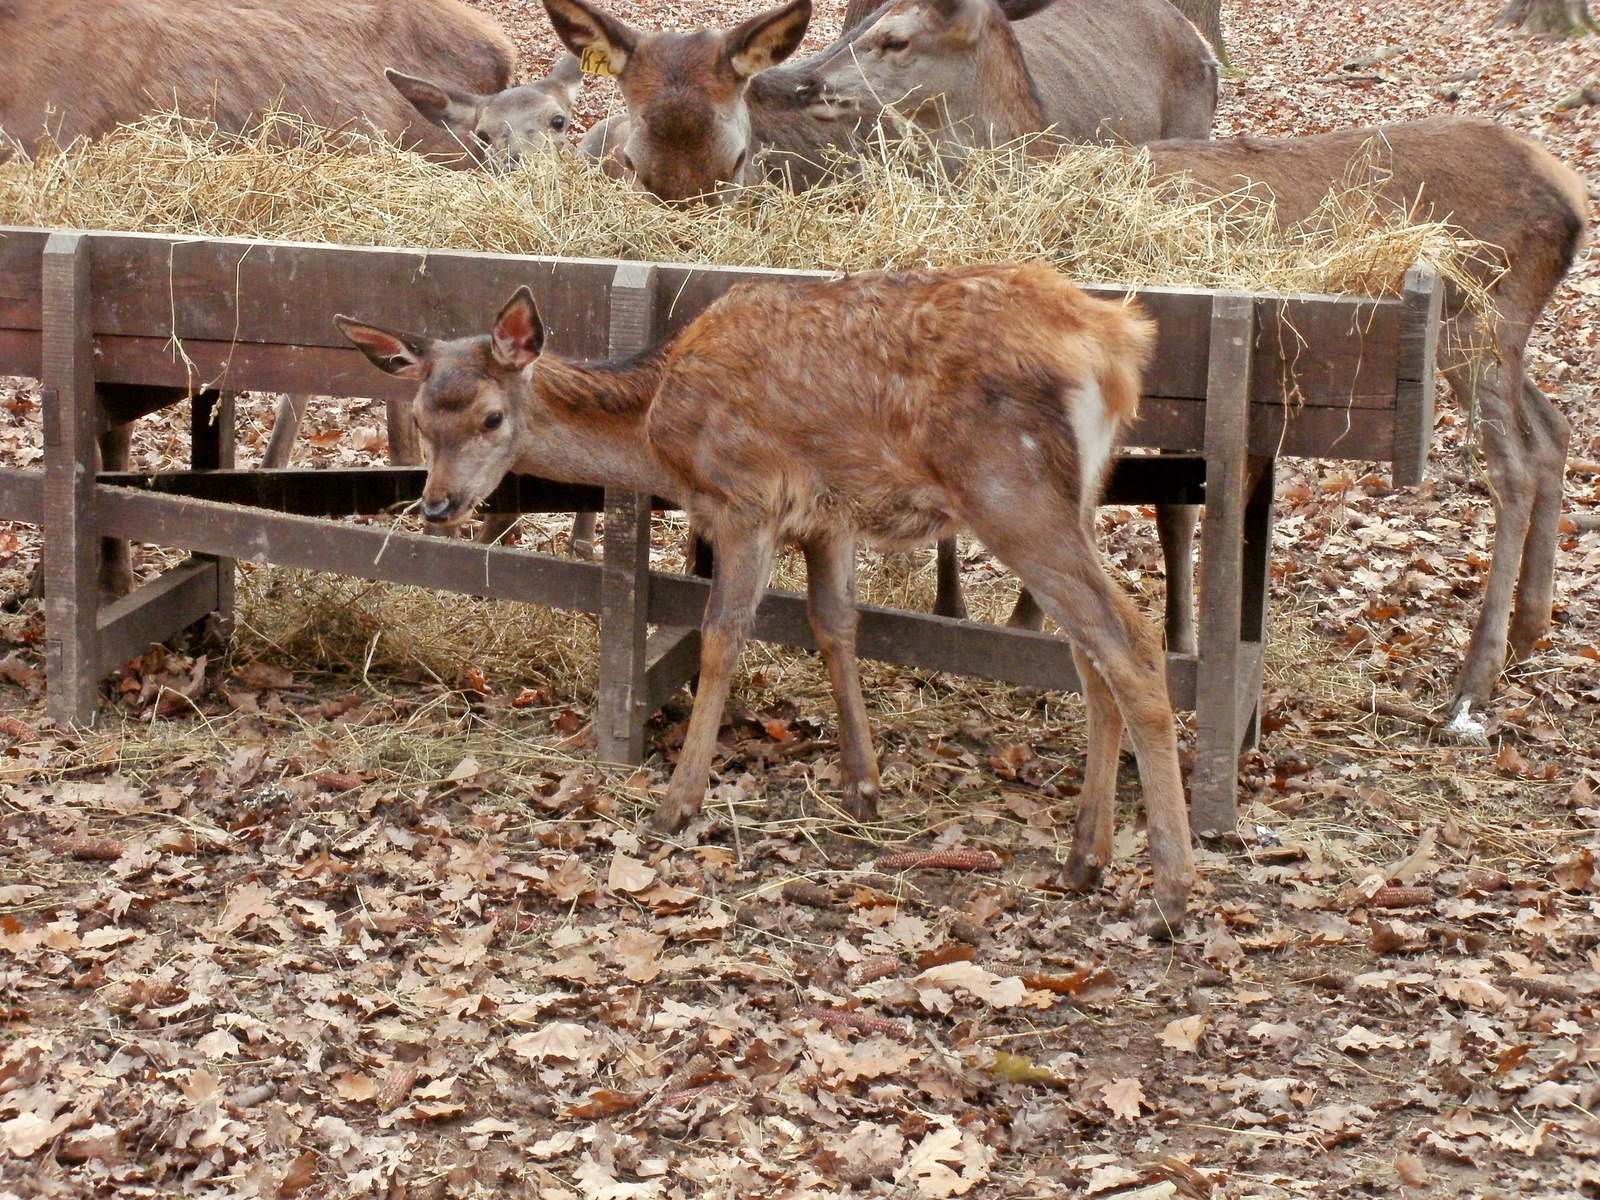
x,y
586,424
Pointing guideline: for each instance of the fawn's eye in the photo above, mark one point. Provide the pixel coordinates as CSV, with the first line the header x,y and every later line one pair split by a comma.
x,y
493,421
558,122
890,45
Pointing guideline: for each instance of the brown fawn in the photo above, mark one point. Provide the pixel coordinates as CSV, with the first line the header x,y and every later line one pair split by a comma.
x,y
887,407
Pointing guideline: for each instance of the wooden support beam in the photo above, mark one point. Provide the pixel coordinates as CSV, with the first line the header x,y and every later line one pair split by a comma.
x,y
71,537
212,434
155,612
625,582
1421,302
364,551
1213,785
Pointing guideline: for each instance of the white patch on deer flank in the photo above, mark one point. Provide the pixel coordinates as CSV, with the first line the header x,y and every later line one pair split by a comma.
x,y
1094,429
1029,444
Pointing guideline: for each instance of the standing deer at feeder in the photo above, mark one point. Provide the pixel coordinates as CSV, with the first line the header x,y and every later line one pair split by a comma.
x,y
1497,186
891,408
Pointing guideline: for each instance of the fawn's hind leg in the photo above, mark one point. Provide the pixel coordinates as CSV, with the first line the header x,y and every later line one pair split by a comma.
x,y
830,603
1065,574
1097,805
744,561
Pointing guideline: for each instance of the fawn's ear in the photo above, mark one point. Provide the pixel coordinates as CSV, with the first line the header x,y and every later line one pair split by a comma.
x,y
602,43
402,354
767,39
518,333
446,107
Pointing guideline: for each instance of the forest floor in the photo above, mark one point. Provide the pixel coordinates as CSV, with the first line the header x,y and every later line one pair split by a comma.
x,y
343,906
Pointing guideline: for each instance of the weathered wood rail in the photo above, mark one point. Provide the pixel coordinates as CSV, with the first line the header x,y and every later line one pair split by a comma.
x,y
119,325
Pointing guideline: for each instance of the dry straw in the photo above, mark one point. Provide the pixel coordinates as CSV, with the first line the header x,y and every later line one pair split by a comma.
x,y
1097,213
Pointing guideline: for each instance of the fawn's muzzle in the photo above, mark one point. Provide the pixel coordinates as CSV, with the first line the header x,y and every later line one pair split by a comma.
x,y
437,509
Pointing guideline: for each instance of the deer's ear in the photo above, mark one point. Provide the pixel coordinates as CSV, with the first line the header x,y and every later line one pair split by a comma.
x,y
602,43
402,354
568,75
444,106
766,40
518,332
1017,10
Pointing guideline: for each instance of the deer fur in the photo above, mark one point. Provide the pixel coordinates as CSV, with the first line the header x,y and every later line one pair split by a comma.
x,y
697,123
1129,71
500,129
79,68
885,407
1500,188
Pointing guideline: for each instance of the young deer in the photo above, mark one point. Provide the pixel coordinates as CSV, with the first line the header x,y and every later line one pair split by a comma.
x,y
887,407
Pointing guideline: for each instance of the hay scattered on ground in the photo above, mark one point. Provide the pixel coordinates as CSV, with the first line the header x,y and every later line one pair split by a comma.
x,y
1099,214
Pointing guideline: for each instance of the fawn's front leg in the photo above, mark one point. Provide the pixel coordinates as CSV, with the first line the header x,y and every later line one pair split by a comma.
x,y
744,561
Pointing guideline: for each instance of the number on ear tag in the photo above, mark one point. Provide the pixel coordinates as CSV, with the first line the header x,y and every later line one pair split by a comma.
x,y
593,61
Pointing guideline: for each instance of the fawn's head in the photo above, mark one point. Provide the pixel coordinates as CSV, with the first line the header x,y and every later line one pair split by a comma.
x,y
500,130
689,132
467,408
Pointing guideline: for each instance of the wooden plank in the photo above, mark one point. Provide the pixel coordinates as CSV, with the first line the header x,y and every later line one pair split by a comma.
x,y
353,491
21,290
1323,350
71,536
365,551
247,367
21,352
212,433
155,612
1359,431
237,289
1421,302
1214,781
672,657
21,496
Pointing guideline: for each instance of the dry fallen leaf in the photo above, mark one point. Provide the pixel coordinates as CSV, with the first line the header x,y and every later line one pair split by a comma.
x,y
629,874
1123,1097
1183,1034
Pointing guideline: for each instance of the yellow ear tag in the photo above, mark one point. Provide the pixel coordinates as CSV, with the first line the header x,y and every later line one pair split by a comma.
x,y
593,61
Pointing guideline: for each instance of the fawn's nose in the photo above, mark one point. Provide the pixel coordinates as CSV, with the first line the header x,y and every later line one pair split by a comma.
x,y
436,509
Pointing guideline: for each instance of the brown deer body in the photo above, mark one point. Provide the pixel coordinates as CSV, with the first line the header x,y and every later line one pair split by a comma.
x,y
891,408
79,68
1500,188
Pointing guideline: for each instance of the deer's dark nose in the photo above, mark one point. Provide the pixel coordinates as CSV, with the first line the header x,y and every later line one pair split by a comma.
x,y
436,509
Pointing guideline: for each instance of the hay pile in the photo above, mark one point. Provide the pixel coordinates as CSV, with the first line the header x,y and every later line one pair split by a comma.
x,y
1096,213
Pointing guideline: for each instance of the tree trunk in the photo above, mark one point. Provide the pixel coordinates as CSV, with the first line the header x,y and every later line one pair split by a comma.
x,y
857,11
1548,18
1207,18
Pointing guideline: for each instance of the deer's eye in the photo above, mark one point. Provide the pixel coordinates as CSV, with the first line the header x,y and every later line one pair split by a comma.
x,y
891,45
493,421
482,137
558,122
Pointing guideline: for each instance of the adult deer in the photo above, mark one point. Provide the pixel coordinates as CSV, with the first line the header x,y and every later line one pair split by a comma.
x,y
704,107
886,407
80,68
1498,187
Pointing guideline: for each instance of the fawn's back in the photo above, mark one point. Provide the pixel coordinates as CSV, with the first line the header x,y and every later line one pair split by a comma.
x,y
872,403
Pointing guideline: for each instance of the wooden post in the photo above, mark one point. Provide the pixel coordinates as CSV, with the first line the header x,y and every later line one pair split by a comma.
x,y
1213,785
212,435
625,579
1254,581
71,528
1421,301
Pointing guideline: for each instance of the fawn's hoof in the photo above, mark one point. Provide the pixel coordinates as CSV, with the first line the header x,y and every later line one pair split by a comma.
x,y
861,803
1162,919
1082,873
672,816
